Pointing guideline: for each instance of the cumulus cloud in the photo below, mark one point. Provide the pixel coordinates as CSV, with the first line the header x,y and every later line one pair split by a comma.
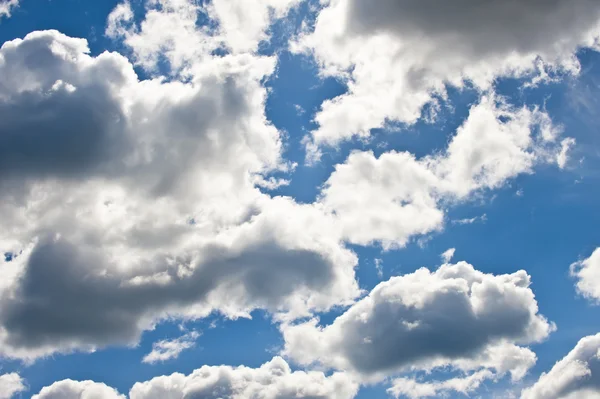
x,y
11,384
563,156
69,389
7,6
128,201
398,196
587,273
397,56
273,380
576,376
454,317
168,349
170,30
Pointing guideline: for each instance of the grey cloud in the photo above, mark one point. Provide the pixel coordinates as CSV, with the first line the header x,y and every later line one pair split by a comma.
x,y
478,27
63,297
453,316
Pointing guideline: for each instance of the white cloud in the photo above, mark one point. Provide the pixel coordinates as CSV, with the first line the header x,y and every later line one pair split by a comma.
x,y
587,273
397,56
563,156
7,6
397,196
413,389
472,220
448,255
456,317
151,211
273,380
11,384
170,30
169,349
69,389
576,376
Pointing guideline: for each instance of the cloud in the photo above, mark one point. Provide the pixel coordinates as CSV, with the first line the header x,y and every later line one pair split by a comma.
x,y
11,384
170,30
472,220
273,380
576,376
398,196
412,389
169,349
69,389
455,317
587,273
127,202
448,255
563,157
7,6
398,56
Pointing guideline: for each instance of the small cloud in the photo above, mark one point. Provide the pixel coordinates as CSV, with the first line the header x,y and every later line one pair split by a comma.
x,y
448,255
563,156
482,219
299,110
170,348
379,267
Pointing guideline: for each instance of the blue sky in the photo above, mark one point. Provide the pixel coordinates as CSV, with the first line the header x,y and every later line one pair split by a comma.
x,y
263,183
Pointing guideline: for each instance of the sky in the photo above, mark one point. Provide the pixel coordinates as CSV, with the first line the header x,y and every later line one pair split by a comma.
x,y
299,199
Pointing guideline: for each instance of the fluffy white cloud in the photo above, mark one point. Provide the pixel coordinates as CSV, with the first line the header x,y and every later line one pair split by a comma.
x,y
11,384
170,29
168,349
455,317
69,389
130,201
397,196
273,380
587,273
397,56
413,389
576,376
6,7
448,255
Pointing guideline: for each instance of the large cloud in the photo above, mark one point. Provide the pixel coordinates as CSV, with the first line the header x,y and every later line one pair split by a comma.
x,y
576,376
397,196
587,273
273,380
397,56
128,201
454,317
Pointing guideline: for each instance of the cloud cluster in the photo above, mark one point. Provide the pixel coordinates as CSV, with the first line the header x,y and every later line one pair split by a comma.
x,y
454,317
273,380
398,56
587,273
398,196
576,376
170,30
129,201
